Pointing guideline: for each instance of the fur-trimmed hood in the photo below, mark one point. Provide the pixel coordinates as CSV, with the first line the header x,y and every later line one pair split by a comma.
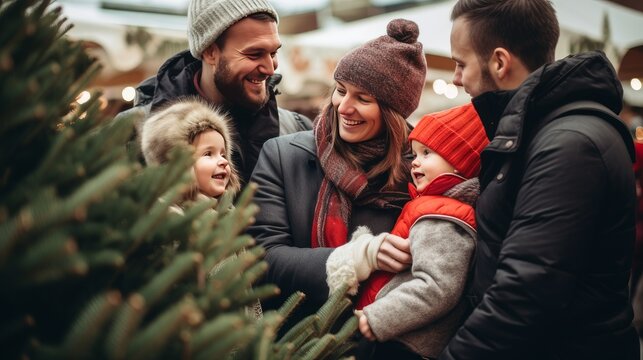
x,y
178,124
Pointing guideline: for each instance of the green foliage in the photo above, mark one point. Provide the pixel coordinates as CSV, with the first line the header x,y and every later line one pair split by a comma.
x,y
93,264
310,338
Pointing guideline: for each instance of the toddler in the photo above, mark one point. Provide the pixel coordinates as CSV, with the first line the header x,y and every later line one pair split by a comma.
x,y
419,310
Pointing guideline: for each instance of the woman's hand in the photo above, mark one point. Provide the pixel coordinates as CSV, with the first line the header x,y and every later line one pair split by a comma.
x,y
364,328
394,255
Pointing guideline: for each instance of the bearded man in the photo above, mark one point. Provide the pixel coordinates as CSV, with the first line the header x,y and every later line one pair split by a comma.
x,y
231,63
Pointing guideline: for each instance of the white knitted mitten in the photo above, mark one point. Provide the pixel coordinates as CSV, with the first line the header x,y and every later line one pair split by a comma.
x,y
354,261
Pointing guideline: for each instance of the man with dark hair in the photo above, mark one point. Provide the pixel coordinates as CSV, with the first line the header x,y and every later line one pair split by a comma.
x,y
231,63
556,214
485,30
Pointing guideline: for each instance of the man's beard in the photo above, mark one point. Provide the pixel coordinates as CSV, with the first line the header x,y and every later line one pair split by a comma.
x,y
233,91
486,81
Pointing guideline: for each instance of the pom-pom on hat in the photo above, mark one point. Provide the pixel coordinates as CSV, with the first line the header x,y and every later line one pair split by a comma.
x,y
457,135
392,67
208,19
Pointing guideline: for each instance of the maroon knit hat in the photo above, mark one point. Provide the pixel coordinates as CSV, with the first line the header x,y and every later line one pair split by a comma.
x,y
392,67
455,134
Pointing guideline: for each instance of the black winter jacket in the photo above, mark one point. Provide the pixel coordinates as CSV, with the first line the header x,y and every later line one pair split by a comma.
x,y
555,223
175,79
288,175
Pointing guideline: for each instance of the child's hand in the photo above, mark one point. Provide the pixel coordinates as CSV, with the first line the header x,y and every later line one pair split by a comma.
x,y
363,325
394,255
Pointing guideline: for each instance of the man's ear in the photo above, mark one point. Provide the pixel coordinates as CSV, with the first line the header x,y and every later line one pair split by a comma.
x,y
211,54
501,63
507,69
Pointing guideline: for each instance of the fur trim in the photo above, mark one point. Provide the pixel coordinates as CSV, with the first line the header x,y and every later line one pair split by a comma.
x,y
466,192
361,230
178,124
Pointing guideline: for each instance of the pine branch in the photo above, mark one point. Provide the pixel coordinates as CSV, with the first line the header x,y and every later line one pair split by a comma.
x,y
85,332
126,322
82,225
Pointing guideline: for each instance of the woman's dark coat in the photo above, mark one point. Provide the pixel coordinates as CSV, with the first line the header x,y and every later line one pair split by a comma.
x,y
288,175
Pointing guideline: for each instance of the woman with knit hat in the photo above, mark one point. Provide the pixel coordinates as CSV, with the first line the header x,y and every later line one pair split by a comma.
x,y
192,124
416,312
316,187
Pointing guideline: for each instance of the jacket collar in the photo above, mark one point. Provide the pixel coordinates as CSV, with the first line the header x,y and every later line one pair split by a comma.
x,y
175,79
305,141
437,186
453,186
506,114
487,106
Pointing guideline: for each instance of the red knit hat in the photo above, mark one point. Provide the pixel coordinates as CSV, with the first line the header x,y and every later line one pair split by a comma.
x,y
455,134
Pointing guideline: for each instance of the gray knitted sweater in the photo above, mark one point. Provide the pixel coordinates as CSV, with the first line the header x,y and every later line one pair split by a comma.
x,y
423,307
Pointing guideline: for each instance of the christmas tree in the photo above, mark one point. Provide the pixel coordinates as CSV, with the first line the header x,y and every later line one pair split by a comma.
x,y
92,263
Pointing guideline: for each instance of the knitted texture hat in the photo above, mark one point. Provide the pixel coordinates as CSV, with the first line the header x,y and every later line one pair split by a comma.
x,y
455,134
208,19
178,125
392,67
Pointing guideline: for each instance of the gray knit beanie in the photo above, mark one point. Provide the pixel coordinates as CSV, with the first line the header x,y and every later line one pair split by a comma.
x,y
208,19
392,67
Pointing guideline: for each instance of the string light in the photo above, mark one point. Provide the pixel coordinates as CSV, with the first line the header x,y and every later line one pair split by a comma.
x,y
439,86
128,93
83,97
103,102
635,84
451,91
638,133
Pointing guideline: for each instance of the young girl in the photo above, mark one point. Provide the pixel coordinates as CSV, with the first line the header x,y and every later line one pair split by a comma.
x,y
415,313
190,122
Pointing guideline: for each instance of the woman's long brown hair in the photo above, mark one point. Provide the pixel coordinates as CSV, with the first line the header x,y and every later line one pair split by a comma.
x,y
396,133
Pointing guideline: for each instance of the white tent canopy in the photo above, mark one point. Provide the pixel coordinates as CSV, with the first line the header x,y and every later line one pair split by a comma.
x,y
435,26
320,49
311,56
433,20
625,23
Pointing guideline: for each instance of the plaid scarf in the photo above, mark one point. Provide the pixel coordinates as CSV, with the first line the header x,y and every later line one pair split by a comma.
x,y
344,185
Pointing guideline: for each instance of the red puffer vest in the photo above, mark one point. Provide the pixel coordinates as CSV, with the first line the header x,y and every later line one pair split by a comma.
x,y
423,205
